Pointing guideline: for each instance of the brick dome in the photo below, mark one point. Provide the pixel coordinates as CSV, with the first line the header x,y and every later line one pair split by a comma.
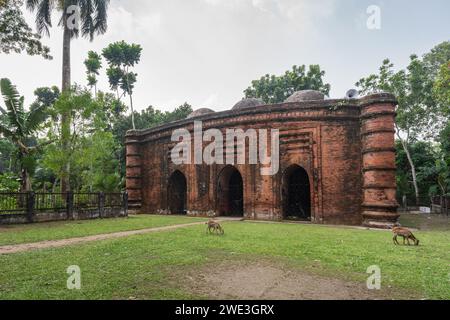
x,y
200,112
306,95
248,103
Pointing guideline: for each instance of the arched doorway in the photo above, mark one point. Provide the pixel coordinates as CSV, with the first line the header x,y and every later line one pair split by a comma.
x,y
230,192
296,194
177,193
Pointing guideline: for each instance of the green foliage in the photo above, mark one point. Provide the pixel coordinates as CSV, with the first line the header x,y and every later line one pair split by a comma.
x,y
121,56
437,57
93,64
45,96
422,113
19,126
441,88
93,15
7,155
423,157
276,89
9,183
90,153
16,34
412,87
102,172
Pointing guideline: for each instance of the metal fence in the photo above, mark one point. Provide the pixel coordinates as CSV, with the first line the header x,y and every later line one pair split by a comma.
x,y
441,204
32,204
437,204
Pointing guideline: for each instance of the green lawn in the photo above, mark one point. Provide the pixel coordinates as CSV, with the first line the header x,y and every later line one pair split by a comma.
x,y
152,266
16,234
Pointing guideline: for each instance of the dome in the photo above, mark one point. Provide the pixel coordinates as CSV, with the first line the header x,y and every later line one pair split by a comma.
x,y
248,103
306,95
200,112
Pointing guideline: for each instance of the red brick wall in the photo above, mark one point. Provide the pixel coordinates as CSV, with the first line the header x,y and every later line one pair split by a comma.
x,y
346,147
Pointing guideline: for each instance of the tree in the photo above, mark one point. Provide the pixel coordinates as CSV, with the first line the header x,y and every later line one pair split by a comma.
x,y
15,34
437,57
441,88
276,89
93,64
92,153
45,97
419,114
19,126
89,16
121,56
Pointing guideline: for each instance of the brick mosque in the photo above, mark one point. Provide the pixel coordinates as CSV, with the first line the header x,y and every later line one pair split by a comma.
x,y
336,164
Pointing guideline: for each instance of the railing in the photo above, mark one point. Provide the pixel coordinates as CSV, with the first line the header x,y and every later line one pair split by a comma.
x,y
50,201
437,204
14,203
31,205
441,204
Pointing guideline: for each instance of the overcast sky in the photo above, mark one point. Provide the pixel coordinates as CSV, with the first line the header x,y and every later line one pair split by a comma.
x,y
206,52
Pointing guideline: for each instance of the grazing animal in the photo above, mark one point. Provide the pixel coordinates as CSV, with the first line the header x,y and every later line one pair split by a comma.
x,y
213,226
405,233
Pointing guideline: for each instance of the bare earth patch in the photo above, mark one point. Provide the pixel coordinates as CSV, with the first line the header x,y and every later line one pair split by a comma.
x,y
267,281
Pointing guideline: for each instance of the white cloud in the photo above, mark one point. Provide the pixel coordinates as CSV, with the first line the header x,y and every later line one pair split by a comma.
x,y
206,52
290,9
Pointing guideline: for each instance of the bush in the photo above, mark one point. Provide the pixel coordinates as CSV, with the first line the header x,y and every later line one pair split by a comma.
x,y
9,183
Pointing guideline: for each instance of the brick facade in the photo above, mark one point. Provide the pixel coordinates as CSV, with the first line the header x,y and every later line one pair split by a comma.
x,y
346,148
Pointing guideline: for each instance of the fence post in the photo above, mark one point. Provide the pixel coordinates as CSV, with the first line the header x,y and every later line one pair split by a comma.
x,y
69,204
125,203
30,205
101,204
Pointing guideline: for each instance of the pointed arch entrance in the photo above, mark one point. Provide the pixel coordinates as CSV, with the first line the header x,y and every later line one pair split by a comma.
x,y
296,194
230,192
177,193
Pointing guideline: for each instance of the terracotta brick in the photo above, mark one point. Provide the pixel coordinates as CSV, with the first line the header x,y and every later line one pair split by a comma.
x,y
346,148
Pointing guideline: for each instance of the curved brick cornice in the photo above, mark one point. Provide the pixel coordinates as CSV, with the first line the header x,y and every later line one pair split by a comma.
x,y
329,109
377,98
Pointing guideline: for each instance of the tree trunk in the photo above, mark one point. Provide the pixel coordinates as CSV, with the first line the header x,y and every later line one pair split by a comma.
x,y
413,170
26,181
65,117
132,112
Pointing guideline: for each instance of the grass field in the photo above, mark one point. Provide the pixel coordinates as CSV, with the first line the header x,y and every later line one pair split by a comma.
x,y
16,234
154,266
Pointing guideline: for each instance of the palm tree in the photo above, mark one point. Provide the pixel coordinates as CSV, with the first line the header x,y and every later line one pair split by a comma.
x,y
18,126
92,20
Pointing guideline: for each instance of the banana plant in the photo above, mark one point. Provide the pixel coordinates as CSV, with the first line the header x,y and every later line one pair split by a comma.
x,y
20,126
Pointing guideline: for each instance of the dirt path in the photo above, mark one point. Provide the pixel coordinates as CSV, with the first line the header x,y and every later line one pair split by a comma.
x,y
71,241
263,280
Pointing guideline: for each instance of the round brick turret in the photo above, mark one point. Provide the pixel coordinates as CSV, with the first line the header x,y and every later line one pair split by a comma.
x,y
133,174
379,207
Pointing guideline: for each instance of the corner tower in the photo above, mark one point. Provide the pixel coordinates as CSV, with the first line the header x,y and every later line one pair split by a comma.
x,y
133,172
379,207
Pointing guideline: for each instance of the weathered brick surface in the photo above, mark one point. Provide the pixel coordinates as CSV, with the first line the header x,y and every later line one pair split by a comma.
x,y
345,146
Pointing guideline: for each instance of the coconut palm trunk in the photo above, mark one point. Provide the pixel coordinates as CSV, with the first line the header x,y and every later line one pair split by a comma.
x,y
65,118
93,19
